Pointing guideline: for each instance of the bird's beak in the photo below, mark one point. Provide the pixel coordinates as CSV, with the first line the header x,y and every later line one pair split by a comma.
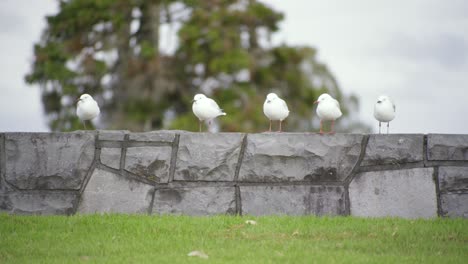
x,y
315,102
379,101
193,100
268,101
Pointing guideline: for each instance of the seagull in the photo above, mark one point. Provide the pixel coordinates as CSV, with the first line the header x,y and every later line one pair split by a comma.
x,y
328,109
205,108
384,111
87,108
275,108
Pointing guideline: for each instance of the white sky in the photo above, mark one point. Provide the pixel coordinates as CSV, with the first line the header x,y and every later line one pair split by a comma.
x,y
415,51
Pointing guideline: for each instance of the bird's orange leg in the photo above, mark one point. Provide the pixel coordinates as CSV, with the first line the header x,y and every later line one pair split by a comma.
x,y
332,125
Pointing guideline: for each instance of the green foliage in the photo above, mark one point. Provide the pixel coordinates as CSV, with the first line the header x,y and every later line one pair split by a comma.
x,y
145,89
228,239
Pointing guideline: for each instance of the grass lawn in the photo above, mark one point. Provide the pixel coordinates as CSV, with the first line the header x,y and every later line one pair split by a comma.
x,y
168,239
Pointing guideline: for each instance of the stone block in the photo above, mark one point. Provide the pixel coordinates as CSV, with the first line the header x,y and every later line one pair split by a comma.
x,y
284,157
111,157
447,147
48,160
39,202
398,193
112,135
107,192
207,156
2,163
151,163
454,204
393,149
453,179
154,136
195,201
293,200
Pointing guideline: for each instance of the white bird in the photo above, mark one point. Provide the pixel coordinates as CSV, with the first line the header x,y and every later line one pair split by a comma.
x,y
328,109
384,111
87,108
275,109
205,108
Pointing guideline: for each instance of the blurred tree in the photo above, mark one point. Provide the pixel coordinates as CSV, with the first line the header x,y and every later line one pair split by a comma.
x,y
110,49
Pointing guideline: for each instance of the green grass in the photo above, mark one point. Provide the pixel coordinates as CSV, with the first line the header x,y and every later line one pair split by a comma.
x,y
168,239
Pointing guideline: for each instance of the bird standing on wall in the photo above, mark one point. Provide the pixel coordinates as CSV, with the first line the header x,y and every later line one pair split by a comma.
x,y
87,108
275,109
328,109
384,111
205,108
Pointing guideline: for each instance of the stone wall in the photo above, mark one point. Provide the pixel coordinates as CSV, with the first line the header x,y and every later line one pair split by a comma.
x,y
178,172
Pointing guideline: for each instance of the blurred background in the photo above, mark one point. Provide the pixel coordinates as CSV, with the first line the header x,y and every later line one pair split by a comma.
x,y
143,60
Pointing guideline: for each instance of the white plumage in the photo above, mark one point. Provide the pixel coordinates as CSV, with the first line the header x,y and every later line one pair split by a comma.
x,y
87,108
205,108
384,111
328,109
275,109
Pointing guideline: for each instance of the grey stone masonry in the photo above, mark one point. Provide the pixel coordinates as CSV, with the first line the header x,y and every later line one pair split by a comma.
x,y
293,200
195,201
393,149
107,192
111,143
453,185
3,186
180,172
453,179
208,157
39,202
151,163
447,147
111,157
404,193
48,161
455,205
287,157
112,135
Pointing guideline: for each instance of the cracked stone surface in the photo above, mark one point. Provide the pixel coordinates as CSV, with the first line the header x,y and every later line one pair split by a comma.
x,y
393,149
453,179
292,200
454,204
42,203
398,193
48,160
447,147
107,192
207,156
195,201
111,157
151,163
279,157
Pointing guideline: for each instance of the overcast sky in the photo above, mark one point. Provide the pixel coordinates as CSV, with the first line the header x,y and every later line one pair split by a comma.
x,y
415,51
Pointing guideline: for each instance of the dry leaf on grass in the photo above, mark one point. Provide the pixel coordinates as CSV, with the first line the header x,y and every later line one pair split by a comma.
x,y
197,253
